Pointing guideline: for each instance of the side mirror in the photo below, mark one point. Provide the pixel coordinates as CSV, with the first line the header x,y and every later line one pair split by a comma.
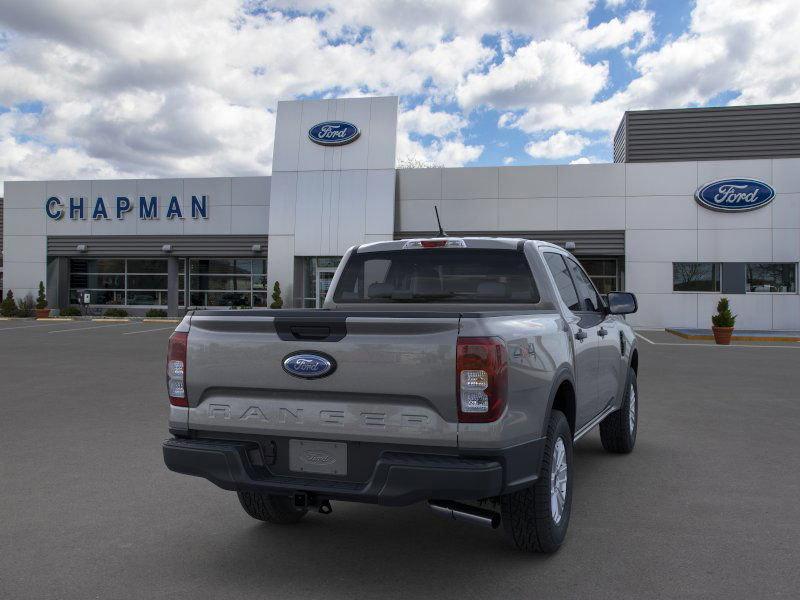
x,y
622,303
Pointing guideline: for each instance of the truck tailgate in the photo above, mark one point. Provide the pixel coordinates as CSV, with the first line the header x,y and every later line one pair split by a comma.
x,y
394,377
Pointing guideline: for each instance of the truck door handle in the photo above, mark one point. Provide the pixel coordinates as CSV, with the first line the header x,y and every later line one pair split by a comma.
x,y
581,335
602,332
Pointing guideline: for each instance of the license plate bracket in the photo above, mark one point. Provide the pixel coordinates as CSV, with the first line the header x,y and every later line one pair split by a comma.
x,y
312,456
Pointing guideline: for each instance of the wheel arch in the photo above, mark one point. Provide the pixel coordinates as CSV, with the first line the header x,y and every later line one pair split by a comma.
x,y
563,398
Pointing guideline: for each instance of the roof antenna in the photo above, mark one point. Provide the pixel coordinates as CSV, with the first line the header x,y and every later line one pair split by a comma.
x,y
442,232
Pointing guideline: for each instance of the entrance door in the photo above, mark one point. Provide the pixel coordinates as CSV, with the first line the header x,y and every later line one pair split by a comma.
x,y
324,279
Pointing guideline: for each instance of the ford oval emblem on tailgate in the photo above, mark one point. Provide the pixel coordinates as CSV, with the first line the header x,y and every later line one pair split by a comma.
x,y
309,365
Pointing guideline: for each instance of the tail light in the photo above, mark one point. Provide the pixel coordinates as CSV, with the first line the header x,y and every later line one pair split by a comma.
x,y
176,369
482,379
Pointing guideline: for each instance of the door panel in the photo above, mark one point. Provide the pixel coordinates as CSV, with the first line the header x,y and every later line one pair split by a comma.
x,y
592,318
583,327
610,362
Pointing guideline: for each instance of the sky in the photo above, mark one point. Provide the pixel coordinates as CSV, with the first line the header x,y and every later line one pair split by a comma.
x,y
181,88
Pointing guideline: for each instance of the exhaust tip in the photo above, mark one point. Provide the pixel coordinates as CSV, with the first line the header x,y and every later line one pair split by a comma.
x,y
458,511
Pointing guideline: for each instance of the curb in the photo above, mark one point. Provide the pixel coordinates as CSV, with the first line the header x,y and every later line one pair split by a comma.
x,y
735,338
55,319
153,320
111,320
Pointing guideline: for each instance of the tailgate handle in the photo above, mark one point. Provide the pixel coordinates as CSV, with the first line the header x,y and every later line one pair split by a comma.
x,y
310,332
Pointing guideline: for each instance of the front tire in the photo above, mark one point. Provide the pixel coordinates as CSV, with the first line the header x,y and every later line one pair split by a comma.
x,y
270,508
536,518
618,430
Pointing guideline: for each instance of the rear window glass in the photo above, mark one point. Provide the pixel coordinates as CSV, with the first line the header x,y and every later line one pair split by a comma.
x,y
446,275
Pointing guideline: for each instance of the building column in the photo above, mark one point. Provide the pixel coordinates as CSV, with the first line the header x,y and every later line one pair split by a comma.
x,y
172,286
61,296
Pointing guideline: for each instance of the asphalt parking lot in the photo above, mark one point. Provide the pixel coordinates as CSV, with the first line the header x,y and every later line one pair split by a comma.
x,y
707,506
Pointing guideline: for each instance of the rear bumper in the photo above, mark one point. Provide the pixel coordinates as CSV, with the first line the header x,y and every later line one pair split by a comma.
x,y
398,478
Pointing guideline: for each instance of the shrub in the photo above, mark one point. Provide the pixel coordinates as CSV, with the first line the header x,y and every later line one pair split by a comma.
x,y
116,312
156,312
41,298
8,308
277,301
26,306
724,316
71,311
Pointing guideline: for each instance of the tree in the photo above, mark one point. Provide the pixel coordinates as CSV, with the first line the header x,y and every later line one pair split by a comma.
x,y
277,301
724,316
414,162
8,308
41,299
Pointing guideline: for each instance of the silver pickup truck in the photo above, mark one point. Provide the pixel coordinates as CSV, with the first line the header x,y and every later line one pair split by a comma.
x,y
457,371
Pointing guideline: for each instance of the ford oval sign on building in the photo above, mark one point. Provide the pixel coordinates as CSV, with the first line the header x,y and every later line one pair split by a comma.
x,y
735,195
308,365
333,133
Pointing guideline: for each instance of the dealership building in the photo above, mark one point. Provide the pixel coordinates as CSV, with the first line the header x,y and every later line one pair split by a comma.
x,y
699,203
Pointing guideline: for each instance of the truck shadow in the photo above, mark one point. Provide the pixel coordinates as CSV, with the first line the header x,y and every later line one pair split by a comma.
x,y
371,551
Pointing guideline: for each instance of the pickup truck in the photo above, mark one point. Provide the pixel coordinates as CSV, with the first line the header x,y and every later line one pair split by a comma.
x,y
457,371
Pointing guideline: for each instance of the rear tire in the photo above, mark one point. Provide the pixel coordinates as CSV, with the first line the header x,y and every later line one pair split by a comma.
x,y
270,508
618,430
536,519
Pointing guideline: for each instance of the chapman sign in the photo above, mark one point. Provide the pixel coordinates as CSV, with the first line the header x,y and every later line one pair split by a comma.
x,y
333,133
735,195
147,208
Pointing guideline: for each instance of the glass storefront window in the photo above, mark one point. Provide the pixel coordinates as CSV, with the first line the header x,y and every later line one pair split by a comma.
x,y
603,273
228,282
317,272
221,266
118,281
696,277
772,277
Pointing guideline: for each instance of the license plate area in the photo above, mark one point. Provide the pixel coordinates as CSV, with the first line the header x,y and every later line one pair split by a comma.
x,y
311,456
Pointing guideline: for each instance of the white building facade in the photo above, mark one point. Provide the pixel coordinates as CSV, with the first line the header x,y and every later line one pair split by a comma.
x,y
221,242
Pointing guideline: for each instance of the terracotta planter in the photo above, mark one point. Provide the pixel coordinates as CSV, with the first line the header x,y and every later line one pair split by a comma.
x,y
722,335
42,313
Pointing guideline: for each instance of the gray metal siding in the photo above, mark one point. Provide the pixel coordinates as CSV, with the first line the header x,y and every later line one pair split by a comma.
x,y
620,138
724,133
587,243
146,245
1,233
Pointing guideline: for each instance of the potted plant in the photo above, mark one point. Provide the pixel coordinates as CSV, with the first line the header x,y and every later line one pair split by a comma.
x,y
42,312
723,322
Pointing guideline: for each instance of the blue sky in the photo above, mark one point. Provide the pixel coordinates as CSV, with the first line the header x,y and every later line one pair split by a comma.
x,y
160,88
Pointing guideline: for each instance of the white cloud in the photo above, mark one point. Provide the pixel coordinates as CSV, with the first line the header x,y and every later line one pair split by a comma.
x,y
447,153
509,160
581,161
559,145
423,120
539,72
616,32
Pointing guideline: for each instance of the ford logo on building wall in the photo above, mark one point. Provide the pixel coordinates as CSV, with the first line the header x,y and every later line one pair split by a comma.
x,y
333,133
735,195
308,365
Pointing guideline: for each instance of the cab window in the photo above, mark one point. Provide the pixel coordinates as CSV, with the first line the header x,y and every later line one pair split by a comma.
x,y
563,280
587,295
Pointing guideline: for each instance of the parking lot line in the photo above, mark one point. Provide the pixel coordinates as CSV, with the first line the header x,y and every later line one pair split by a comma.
x,y
88,328
687,344
147,330
28,326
